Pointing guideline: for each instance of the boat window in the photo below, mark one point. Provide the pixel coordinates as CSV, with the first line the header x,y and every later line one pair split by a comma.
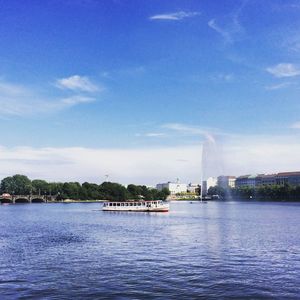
x,y
126,204
122,204
118,204
131,204
140,204
114,204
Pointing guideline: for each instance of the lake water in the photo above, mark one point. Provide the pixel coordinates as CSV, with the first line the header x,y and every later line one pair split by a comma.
x,y
216,250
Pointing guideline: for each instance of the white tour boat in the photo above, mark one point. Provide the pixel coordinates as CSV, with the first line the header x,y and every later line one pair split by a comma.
x,y
146,206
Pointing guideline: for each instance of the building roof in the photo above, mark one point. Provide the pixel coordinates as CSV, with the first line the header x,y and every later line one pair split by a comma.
x,y
243,177
226,177
267,175
282,174
289,174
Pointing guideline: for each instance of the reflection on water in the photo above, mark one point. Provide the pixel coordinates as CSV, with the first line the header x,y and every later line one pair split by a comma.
x,y
227,250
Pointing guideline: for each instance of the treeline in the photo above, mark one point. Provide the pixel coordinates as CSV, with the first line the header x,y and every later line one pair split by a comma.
x,y
267,193
22,185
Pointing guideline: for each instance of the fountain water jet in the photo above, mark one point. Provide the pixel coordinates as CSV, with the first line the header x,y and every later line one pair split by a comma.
x,y
211,161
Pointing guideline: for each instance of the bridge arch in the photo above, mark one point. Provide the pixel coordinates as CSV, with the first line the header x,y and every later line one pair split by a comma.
x,y
37,200
22,200
5,200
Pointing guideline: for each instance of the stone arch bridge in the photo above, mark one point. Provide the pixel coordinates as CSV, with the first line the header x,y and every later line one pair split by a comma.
x,y
27,199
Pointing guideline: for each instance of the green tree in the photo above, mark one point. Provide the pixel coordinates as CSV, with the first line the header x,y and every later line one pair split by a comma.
x,y
17,184
90,191
40,187
113,191
216,190
71,190
135,191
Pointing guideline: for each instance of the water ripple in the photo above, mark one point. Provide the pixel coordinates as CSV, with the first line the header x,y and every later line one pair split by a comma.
x,y
222,250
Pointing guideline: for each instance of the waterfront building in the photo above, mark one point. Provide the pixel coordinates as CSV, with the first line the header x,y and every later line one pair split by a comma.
x,y
226,182
247,180
266,179
193,188
291,178
173,187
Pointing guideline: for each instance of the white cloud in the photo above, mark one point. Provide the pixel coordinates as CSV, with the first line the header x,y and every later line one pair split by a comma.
x,y
18,100
284,70
175,16
74,100
296,125
77,83
85,164
236,155
261,154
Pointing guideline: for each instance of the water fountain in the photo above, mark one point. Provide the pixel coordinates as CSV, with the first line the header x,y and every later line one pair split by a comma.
x,y
211,162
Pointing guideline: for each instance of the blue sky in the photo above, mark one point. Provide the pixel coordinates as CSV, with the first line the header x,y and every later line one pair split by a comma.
x,y
137,75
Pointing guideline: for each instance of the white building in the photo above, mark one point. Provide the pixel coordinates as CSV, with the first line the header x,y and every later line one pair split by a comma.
x,y
192,187
211,182
173,187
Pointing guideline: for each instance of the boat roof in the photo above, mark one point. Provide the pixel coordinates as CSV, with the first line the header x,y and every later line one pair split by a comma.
x,y
131,201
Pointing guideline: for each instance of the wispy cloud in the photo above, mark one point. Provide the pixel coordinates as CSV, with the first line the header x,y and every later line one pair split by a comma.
x,y
175,16
288,6
77,83
284,70
227,77
292,41
74,100
190,130
152,134
296,125
224,33
18,100
155,134
278,86
230,26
